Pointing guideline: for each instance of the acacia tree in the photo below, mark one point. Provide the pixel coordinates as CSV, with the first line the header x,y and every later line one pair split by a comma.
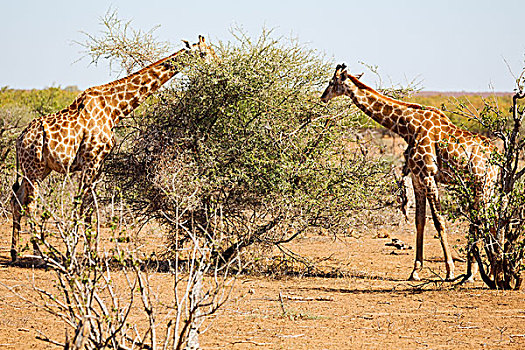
x,y
497,228
247,138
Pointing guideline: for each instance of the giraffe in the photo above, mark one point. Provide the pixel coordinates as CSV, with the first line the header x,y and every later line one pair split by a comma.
x,y
80,136
435,147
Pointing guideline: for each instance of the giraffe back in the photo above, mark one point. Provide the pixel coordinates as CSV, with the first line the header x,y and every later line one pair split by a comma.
x,y
53,140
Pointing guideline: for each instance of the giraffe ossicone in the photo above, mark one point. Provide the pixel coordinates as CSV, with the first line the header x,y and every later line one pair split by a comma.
x,y
435,147
80,136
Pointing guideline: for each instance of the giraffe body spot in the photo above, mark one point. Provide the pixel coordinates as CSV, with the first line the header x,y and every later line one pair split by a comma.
x,y
397,111
427,125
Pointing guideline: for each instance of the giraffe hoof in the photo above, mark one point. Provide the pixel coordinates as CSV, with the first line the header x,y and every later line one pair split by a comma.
x,y
468,279
414,277
14,256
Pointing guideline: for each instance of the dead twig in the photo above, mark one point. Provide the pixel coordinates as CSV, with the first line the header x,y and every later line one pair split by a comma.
x,y
249,342
282,303
294,298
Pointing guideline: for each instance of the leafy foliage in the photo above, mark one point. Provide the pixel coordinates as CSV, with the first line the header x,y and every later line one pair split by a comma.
x,y
246,146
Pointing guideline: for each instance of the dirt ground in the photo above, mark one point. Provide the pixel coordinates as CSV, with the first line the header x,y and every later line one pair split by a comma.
x,y
371,307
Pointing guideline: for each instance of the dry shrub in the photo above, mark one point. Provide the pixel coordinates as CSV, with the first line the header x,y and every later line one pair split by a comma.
x,y
497,227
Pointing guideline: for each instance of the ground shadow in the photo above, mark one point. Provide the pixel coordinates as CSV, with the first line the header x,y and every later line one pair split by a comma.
x,y
167,266
23,262
406,288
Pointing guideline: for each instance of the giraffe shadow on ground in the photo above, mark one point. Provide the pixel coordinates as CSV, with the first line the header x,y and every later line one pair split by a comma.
x,y
149,265
26,262
397,285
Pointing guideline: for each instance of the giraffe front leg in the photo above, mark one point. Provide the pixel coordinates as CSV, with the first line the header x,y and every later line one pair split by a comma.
x,y
86,206
87,193
421,205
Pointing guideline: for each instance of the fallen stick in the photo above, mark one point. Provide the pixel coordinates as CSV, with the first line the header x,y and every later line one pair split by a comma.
x,y
294,298
250,342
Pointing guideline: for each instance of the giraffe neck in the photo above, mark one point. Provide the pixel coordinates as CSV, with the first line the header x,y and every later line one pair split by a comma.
x,y
126,94
392,114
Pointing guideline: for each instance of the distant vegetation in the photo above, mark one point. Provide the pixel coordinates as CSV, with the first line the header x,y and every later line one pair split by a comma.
x,y
18,107
28,104
37,101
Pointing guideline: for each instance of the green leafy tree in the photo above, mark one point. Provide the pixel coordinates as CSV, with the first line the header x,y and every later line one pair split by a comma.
x,y
244,145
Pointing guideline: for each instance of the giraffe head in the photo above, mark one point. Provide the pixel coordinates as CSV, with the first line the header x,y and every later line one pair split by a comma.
x,y
336,87
201,49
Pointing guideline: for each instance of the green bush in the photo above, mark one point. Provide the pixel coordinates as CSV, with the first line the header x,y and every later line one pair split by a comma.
x,y
244,145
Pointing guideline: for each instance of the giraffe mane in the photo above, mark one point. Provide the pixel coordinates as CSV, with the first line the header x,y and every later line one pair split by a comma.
x,y
77,104
355,80
141,71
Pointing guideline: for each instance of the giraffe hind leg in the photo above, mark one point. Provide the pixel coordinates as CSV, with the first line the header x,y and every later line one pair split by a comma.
x,y
17,201
23,203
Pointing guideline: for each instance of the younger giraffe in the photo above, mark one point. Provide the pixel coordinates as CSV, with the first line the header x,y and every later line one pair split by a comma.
x,y
435,146
79,137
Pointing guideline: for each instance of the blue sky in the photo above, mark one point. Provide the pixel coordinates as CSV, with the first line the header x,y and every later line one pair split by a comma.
x,y
449,45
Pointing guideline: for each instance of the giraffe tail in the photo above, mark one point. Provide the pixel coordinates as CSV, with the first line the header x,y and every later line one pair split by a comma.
x,y
16,185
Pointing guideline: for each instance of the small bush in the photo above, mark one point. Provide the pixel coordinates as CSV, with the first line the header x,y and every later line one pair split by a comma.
x,y
497,227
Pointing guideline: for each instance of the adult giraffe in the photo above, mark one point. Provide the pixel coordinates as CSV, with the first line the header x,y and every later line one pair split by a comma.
x,y
435,146
79,137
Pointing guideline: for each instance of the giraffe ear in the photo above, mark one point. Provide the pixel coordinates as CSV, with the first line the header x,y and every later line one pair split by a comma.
x,y
201,39
187,43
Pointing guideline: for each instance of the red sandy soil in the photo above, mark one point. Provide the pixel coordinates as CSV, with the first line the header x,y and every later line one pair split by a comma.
x,y
370,306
